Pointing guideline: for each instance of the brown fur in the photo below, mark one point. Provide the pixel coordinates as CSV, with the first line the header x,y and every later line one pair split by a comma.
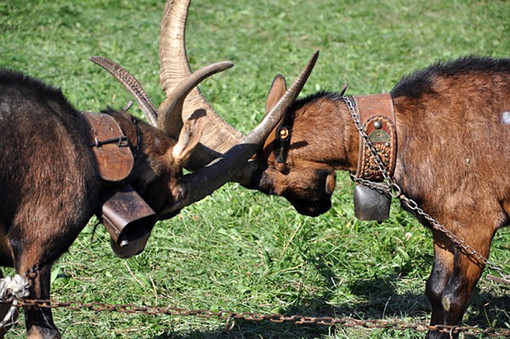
x,y
452,159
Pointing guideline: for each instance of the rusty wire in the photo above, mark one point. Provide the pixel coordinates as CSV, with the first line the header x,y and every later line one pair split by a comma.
x,y
228,316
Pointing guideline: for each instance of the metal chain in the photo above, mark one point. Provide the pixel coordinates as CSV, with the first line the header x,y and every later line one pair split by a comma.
x,y
365,137
395,191
228,316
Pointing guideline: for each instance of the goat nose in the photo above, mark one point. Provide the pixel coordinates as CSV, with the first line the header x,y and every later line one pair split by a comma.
x,y
263,183
266,184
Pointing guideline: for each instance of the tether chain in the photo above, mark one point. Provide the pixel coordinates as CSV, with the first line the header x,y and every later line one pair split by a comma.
x,y
392,188
229,316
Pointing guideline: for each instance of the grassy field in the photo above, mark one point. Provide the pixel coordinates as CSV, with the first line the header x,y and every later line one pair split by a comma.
x,y
239,250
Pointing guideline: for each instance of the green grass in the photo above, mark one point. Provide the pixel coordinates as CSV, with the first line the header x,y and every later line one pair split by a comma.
x,y
239,250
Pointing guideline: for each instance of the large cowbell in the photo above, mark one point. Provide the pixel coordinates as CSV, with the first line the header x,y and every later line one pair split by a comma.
x,y
129,220
370,204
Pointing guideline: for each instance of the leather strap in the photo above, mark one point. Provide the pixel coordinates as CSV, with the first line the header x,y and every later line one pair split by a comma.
x,y
110,146
377,117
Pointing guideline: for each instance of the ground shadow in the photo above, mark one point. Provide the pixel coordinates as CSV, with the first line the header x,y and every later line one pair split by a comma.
x,y
382,302
243,330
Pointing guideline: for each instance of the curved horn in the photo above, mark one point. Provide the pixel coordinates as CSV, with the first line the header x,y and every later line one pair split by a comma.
x,y
204,181
218,135
169,112
131,84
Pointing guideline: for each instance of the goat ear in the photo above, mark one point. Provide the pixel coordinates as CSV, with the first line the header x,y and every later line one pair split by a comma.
x,y
277,90
189,137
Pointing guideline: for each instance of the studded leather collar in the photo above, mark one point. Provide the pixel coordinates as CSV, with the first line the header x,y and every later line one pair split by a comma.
x,y
376,115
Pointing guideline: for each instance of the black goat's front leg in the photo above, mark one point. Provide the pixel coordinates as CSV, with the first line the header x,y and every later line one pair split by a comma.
x,y
39,320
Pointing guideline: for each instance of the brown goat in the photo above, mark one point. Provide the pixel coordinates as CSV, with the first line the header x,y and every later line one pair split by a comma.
x,y
50,183
453,127
452,122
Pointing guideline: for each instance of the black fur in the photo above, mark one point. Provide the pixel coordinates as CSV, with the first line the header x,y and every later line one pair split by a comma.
x,y
299,103
419,82
30,86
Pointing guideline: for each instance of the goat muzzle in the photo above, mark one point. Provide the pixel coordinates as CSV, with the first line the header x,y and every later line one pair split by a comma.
x,y
207,179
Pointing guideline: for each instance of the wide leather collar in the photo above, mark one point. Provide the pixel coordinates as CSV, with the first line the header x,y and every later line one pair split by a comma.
x,y
377,117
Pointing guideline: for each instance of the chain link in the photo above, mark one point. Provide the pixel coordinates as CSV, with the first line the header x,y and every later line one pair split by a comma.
x,y
368,142
396,192
228,316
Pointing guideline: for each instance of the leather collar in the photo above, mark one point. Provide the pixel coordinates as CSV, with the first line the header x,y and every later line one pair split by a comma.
x,y
377,117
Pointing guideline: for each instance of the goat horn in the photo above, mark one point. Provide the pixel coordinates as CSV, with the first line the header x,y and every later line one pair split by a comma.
x,y
131,84
169,112
204,181
218,135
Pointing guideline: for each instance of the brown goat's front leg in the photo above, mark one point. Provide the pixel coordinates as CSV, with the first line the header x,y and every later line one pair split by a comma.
x,y
441,272
458,292
39,321
458,278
